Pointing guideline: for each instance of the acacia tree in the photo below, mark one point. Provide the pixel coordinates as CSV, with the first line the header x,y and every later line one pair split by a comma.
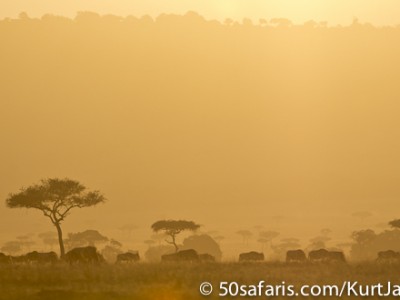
x,y
395,223
111,250
159,237
362,215
12,247
26,241
85,238
172,228
269,235
55,198
245,234
149,243
49,238
263,242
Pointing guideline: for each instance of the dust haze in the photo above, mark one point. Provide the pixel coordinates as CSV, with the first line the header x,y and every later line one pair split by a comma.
x,y
240,126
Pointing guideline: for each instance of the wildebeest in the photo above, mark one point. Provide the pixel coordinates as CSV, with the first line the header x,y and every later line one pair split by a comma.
x,y
83,255
41,258
320,255
251,256
127,257
206,257
388,256
323,255
21,259
4,259
189,255
296,256
336,256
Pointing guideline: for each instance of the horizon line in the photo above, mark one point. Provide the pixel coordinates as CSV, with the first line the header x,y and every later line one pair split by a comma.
x,y
260,22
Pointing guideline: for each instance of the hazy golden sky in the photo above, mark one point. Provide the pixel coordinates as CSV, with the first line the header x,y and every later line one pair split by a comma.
x,y
229,126
378,12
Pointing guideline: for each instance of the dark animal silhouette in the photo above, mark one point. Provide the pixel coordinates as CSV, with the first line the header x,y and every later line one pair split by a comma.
x,y
83,255
128,257
5,259
21,259
41,258
296,256
33,258
321,255
203,243
388,256
251,256
189,255
336,256
206,258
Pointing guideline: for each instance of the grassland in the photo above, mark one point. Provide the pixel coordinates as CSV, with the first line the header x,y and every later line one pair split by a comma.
x,y
171,281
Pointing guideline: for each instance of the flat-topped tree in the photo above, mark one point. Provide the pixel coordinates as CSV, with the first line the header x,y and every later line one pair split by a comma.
x,y
55,198
85,238
172,228
395,223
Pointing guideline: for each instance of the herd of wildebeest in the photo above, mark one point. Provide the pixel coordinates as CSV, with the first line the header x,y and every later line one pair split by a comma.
x,y
82,255
90,255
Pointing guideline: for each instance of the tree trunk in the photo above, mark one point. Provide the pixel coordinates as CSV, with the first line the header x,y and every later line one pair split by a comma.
x,y
60,239
173,242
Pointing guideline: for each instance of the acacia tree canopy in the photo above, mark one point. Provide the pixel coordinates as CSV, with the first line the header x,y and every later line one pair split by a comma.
x,y
85,238
269,234
174,227
395,223
55,198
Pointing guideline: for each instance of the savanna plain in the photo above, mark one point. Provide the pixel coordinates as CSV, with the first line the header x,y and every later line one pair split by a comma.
x,y
177,281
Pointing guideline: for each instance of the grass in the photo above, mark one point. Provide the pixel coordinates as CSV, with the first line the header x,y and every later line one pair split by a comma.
x,y
172,281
